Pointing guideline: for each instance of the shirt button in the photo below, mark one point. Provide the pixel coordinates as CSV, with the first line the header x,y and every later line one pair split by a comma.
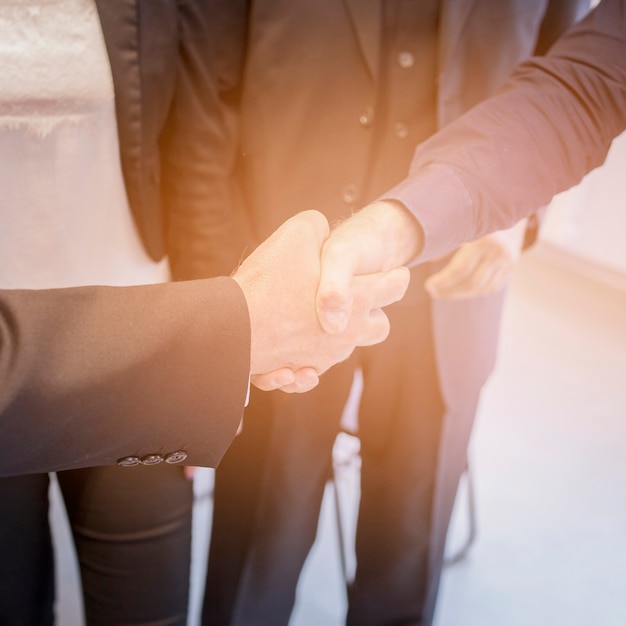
x,y
400,130
406,60
348,195
151,459
366,119
129,461
176,457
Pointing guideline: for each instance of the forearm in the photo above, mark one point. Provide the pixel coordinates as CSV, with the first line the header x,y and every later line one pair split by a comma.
x,y
552,123
94,374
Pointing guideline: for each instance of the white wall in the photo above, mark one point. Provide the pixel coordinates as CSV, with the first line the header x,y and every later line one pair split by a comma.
x,y
589,221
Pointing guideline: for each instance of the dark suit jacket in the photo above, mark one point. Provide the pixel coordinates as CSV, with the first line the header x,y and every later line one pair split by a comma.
x,y
304,147
297,53
90,376
93,374
176,152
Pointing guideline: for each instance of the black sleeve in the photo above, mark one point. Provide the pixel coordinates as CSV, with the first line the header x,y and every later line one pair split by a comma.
x,y
94,374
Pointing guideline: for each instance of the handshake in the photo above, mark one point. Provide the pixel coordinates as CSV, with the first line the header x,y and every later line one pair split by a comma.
x,y
314,294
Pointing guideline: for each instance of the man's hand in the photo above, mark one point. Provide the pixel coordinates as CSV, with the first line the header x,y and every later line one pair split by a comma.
x,y
380,237
480,267
280,280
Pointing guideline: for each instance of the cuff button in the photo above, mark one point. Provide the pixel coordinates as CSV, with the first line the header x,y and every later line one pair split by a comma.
x,y
129,461
151,459
176,457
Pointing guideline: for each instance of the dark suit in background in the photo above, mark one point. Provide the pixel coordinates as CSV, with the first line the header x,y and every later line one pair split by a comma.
x,y
335,97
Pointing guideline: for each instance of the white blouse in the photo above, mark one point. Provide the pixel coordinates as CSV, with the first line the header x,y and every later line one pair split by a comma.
x,y
64,214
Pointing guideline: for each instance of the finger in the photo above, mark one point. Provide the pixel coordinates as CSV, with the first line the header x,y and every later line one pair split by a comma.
x,y
452,277
496,277
377,329
273,380
483,281
490,276
476,283
374,291
334,295
306,378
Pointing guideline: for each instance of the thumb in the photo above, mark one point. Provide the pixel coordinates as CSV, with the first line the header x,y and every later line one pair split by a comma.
x,y
334,294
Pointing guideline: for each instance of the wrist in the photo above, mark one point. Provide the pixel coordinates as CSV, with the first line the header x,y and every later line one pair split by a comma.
x,y
400,231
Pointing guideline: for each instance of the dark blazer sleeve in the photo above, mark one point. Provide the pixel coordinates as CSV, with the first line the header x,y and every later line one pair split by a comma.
x,y
92,375
551,124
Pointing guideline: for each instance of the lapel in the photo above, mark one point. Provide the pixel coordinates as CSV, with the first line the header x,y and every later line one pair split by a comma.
x,y
366,21
453,18
120,26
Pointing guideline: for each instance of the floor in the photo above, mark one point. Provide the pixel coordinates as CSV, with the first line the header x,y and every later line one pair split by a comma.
x,y
548,465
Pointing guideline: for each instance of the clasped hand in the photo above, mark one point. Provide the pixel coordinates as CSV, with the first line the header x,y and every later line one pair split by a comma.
x,y
481,267
280,280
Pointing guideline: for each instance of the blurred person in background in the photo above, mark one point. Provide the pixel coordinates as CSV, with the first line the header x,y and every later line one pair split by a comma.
x,y
112,150
333,98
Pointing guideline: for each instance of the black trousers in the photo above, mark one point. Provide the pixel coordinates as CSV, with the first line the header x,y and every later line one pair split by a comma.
x,y
270,485
132,531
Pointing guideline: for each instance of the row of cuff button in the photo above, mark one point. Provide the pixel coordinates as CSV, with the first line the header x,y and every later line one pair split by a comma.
x,y
153,459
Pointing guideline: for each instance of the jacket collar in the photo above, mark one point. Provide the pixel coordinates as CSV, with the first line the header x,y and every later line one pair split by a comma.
x,y
453,18
120,26
366,21
366,18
